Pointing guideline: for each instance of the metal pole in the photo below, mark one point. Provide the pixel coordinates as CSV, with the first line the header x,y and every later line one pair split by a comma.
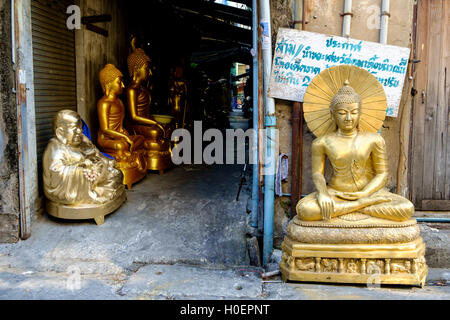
x,y
270,126
346,25
434,220
385,5
255,183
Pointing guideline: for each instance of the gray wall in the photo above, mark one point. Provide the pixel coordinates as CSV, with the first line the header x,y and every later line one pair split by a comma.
x,y
9,183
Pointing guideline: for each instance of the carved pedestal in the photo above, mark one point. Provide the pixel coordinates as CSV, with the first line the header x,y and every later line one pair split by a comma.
x,y
367,251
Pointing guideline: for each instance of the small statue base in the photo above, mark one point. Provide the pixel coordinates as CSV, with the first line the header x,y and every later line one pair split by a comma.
x,y
132,176
133,168
85,212
159,161
369,251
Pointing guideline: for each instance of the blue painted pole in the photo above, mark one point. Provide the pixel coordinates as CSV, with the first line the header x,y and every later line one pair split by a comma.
x,y
255,183
270,127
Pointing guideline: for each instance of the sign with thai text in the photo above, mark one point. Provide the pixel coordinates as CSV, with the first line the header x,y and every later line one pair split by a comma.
x,y
301,55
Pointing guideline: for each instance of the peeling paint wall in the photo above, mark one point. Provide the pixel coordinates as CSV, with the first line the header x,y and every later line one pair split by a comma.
x,y
94,51
324,16
9,182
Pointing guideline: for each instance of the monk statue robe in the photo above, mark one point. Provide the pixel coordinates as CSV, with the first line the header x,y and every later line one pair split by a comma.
x,y
79,182
139,120
352,226
113,138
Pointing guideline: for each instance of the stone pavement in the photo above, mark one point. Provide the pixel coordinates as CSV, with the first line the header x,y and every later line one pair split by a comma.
x,y
179,236
184,282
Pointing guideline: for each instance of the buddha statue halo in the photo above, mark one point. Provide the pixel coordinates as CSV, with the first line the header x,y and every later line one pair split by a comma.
x,y
326,86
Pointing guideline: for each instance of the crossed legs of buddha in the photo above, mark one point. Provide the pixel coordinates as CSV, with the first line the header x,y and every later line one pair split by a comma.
x,y
383,204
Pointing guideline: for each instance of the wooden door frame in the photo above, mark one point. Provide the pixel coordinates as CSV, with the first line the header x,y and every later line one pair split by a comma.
x,y
26,118
422,130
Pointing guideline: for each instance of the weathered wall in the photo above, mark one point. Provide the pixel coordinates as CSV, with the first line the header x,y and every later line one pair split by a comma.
x,y
323,16
9,183
94,51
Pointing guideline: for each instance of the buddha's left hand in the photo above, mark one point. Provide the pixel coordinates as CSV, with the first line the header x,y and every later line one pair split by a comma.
x,y
351,196
164,131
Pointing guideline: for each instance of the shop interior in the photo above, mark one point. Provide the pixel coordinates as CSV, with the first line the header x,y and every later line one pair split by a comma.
x,y
207,46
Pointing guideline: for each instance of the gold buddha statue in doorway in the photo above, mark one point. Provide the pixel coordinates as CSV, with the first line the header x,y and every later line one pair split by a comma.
x,y
352,226
140,121
113,138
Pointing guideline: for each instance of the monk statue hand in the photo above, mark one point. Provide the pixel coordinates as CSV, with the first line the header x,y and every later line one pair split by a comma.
x,y
326,204
112,163
351,196
86,163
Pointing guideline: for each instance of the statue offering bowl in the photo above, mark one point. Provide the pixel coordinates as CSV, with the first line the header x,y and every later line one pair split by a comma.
x,y
162,118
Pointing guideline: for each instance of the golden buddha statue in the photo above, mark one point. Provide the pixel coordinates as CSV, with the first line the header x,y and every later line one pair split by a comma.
x,y
177,99
79,182
353,221
157,136
113,139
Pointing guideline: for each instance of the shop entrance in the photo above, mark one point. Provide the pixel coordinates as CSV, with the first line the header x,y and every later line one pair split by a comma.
x,y
190,213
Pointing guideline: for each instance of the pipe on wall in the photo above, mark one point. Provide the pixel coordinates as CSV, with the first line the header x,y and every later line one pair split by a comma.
x,y
271,141
347,23
255,182
385,8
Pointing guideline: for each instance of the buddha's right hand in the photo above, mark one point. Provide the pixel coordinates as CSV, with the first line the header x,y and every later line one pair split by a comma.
x,y
86,163
326,204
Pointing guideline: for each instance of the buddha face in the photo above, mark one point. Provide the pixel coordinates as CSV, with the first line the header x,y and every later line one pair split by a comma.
x,y
347,116
70,131
117,86
144,72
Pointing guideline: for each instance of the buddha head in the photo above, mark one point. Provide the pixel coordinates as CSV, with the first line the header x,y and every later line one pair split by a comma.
x,y
346,108
139,66
111,80
68,128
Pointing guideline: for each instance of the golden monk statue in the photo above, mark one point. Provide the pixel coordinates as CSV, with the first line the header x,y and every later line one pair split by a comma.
x,y
157,137
351,226
79,182
177,99
112,137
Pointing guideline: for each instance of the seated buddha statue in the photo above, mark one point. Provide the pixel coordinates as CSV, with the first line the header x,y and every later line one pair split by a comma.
x,y
79,182
139,120
351,227
360,169
113,138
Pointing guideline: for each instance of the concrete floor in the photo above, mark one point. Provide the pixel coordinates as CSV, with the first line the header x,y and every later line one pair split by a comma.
x,y
179,236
